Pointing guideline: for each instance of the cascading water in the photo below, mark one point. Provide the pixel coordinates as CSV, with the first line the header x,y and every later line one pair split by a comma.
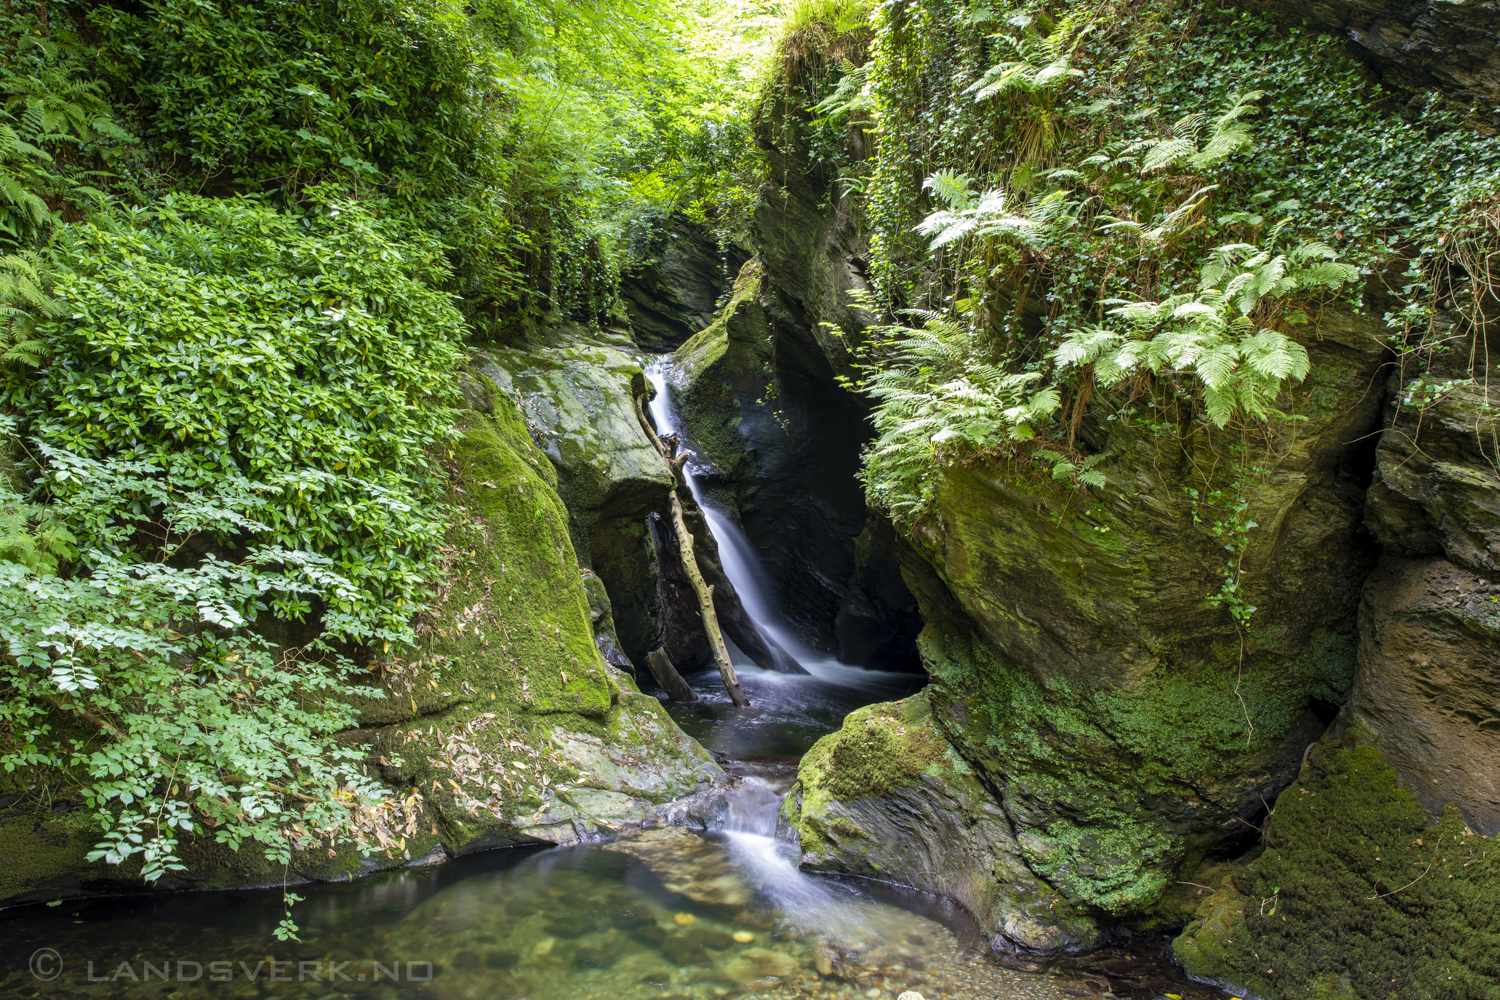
x,y
739,560
792,711
845,921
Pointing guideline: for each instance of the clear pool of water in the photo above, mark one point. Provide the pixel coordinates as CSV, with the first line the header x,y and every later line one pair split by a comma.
x,y
669,914
662,914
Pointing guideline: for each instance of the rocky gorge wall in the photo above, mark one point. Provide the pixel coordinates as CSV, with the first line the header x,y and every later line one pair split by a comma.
x,y
1103,749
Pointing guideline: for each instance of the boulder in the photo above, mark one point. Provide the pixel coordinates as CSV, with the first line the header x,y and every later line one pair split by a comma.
x,y
887,797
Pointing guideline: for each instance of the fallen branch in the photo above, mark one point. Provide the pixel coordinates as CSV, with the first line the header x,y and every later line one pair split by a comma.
x,y
706,606
704,592
668,678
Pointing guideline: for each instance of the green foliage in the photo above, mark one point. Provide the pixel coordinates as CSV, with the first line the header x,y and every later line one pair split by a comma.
x,y
816,89
57,134
56,128
1110,209
1221,333
233,439
24,281
31,535
1188,150
142,686
532,140
936,397
1083,472
1032,81
284,366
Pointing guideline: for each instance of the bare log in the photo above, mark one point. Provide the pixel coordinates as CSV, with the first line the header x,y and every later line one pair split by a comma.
x,y
706,606
704,592
668,678
640,414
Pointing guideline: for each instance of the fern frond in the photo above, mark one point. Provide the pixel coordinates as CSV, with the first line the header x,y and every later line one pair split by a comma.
x,y
952,188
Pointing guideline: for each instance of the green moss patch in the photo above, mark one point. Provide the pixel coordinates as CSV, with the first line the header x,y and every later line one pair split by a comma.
x,y
1357,895
879,747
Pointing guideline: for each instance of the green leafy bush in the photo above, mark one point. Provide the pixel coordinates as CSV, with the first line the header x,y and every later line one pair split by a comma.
x,y
57,129
1152,201
58,137
293,368
234,440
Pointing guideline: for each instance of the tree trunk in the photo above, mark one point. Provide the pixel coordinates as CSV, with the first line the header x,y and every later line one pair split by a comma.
x,y
704,592
706,607
667,676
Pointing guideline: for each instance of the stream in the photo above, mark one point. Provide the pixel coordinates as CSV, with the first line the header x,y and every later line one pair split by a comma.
x,y
666,913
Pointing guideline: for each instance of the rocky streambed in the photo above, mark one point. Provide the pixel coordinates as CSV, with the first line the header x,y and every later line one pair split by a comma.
x,y
669,912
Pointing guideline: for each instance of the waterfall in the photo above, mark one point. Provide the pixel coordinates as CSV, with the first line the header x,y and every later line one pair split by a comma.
x,y
738,558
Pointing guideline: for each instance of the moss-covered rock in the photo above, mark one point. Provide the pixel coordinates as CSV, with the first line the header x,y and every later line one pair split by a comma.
x,y
518,729
887,797
1081,664
1357,895
576,397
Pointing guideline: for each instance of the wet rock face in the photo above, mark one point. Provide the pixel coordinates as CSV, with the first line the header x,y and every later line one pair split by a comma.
x,y
814,247
888,798
1427,693
879,621
783,440
1436,490
676,296
1415,46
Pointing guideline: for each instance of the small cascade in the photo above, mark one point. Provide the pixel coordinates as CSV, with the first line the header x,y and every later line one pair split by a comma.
x,y
754,804
768,864
846,922
738,558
